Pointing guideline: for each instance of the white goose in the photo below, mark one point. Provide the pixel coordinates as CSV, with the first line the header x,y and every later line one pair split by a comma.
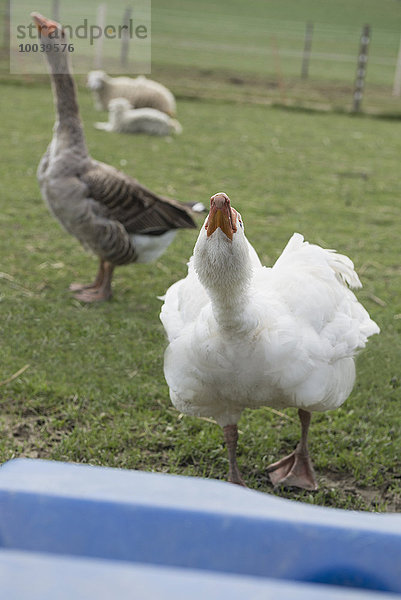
x,y
109,212
243,335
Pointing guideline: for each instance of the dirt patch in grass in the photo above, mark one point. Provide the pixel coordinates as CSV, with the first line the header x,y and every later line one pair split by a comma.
x,y
32,437
382,498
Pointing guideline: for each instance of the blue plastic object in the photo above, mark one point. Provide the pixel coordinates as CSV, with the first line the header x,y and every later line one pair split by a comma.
x,y
171,537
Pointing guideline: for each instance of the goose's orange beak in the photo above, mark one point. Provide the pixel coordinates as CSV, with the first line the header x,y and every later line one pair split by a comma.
x,y
43,24
221,215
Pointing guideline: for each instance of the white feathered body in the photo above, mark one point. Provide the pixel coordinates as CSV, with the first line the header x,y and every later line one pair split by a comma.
x,y
289,339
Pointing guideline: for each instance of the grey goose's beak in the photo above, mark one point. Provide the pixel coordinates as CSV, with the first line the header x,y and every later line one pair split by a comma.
x,y
45,26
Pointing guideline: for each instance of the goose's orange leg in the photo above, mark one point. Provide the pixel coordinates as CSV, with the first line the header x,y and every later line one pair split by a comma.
x,y
101,289
296,469
78,287
231,439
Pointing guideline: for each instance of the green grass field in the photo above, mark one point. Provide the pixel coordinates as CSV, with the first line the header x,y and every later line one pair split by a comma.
x,y
93,389
229,33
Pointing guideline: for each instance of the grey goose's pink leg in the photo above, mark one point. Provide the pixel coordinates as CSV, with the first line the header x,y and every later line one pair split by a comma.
x,y
102,291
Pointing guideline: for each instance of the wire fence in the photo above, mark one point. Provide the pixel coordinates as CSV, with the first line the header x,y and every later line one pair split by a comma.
x,y
302,59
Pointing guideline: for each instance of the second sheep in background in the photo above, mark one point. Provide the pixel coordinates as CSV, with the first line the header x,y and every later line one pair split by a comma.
x,y
124,119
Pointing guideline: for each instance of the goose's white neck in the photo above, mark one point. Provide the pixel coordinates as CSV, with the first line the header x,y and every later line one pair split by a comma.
x,y
230,310
224,269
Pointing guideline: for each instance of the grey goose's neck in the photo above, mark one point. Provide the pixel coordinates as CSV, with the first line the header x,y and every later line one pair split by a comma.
x,y
68,120
65,97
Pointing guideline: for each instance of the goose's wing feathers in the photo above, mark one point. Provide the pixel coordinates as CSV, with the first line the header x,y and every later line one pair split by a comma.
x,y
125,200
299,250
183,303
313,285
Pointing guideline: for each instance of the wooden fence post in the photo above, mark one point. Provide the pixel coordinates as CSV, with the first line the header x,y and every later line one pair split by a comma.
x,y
56,11
361,69
397,76
125,37
101,21
6,24
307,50
279,73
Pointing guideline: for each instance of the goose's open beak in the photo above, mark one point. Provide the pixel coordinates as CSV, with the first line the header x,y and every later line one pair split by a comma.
x,y
44,24
220,215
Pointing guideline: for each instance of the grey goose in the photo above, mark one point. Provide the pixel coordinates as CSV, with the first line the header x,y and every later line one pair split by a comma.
x,y
109,212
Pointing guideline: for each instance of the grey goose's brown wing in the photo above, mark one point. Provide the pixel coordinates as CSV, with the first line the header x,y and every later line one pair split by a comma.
x,y
138,209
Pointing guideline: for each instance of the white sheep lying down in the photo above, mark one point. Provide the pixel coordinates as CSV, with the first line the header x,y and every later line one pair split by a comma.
x,y
124,119
139,91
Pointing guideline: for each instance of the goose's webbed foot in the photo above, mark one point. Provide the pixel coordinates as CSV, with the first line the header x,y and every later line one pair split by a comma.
x,y
294,470
93,295
100,289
